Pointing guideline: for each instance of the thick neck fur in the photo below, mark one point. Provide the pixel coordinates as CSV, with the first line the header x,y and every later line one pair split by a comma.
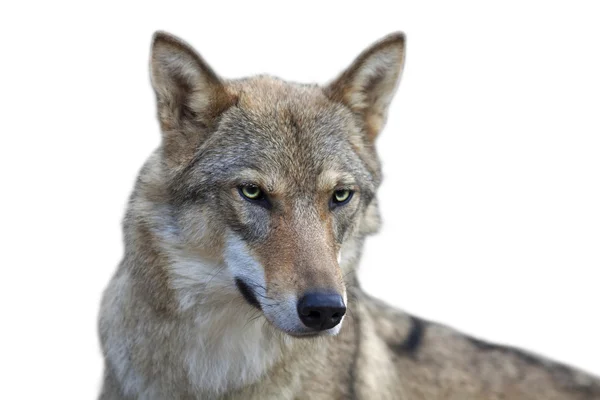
x,y
183,309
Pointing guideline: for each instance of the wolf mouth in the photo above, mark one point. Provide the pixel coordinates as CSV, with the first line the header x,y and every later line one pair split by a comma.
x,y
247,292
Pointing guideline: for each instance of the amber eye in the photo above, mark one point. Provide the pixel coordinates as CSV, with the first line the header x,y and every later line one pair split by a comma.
x,y
342,196
251,192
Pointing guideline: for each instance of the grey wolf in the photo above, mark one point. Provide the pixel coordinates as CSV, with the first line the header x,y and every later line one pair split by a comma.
x,y
242,239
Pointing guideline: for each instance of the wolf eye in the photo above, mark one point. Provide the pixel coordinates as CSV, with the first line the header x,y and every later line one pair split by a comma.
x,y
255,195
342,196
251,192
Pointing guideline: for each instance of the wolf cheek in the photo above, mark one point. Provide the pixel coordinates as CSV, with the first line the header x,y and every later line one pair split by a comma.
x,y
292,302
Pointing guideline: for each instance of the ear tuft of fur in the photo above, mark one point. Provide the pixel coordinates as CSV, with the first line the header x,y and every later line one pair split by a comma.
x,y
174,65
185,85
368,85
189,94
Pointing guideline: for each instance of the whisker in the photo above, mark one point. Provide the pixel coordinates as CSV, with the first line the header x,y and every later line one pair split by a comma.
x,y
217,272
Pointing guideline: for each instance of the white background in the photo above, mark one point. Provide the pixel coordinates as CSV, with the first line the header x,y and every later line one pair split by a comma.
x,y
491,200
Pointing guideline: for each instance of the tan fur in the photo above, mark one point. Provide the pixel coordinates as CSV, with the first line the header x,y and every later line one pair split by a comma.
x,y
174,325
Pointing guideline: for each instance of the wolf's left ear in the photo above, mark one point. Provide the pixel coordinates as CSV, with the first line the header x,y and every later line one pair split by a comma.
x,y
368,85
190,96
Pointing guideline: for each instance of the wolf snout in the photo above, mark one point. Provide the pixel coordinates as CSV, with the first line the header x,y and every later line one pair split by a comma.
x,y
321,311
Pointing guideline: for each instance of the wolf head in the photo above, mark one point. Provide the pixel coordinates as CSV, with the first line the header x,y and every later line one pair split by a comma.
x,y
269,183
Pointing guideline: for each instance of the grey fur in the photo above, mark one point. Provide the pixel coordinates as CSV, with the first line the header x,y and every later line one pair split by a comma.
x,y
173,324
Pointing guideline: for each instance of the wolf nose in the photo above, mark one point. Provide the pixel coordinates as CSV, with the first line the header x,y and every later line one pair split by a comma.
x,y
321,311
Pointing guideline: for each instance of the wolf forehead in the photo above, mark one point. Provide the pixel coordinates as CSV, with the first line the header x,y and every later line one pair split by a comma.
x,y
285,132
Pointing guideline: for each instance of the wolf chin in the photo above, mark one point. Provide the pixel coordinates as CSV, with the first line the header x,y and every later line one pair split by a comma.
x,y
242,238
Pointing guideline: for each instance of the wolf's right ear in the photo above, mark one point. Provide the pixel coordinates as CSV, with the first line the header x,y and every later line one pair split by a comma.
x,y
189,95
368,85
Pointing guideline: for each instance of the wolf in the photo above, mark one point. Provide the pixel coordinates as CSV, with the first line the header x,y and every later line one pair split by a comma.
x,y
242,240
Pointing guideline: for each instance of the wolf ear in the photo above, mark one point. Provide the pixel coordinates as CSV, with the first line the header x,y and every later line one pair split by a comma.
x,y
189,95
368,85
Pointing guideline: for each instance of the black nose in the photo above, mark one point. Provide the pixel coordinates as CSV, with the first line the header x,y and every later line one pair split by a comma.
x,y
321,310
